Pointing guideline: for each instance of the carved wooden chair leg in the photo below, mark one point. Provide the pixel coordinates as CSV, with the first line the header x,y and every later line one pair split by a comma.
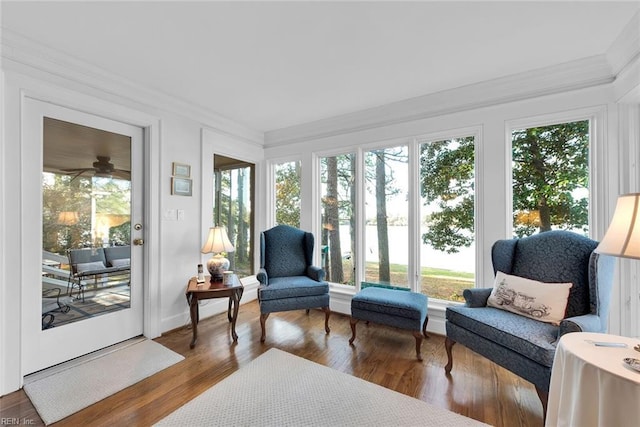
x,y
418,336
424,327
263,321
544,399
353,330
448,344
327,313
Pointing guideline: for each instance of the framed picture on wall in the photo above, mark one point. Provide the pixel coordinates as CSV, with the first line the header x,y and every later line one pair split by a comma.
x,y
181,186
181,170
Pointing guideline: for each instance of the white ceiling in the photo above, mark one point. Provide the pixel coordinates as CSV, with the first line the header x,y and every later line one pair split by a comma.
x,y
271,65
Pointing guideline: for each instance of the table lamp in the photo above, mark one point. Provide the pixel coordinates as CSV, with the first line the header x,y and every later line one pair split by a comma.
x,y
622,238
68,218
217,243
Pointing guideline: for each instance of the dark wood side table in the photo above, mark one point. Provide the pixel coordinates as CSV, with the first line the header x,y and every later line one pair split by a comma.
x,y
207,290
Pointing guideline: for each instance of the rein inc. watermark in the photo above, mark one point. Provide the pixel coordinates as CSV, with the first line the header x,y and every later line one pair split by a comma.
x,y
14,421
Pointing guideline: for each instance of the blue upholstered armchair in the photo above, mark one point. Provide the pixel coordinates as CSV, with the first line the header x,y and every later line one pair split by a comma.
x,y
288,280
520,344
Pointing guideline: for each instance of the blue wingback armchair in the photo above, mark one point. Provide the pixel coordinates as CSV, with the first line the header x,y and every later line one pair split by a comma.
x,y
287,279
522,345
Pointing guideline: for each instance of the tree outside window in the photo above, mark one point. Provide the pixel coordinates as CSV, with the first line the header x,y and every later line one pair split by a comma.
x,y
288,193
550,172
447,181
233,209
387,212
79,212
338,217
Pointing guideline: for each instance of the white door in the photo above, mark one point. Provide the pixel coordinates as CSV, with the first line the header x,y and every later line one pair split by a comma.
x,y
97,159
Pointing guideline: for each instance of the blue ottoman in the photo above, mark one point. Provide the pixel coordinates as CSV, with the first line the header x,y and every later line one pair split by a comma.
x,y
391,307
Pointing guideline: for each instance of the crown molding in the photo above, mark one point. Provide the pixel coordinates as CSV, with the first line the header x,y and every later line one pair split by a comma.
x,y
620,62
583,73
626,48
21,54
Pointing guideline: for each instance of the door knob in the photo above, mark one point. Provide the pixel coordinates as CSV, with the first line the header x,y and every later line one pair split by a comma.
x,y
138,242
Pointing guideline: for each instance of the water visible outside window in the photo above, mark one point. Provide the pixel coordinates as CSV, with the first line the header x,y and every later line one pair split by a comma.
x,y
387,212
338,202
447,222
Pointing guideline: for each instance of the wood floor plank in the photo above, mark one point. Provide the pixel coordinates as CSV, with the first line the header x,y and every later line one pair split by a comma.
x,y
477,388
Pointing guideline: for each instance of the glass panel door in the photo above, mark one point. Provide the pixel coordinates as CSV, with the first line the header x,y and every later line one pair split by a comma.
x,y
82,182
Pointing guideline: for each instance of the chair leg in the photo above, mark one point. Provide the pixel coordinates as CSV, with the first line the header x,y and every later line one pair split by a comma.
x,y
327,313
544,398
353,330
424,327
418,337
448,345
263,321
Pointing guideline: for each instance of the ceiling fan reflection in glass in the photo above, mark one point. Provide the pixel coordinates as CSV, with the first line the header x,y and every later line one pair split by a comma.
x,y
102,168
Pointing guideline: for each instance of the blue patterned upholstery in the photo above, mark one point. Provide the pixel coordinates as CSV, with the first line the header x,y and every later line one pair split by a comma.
x,y
293,287
524,335
391,307
525,346
287,279
402,309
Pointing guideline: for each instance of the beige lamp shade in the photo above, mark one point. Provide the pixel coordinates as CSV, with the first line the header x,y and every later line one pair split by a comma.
x,y
622,238
68,218
217,241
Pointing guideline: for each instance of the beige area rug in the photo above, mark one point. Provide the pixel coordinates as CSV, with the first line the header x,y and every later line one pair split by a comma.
x,y
280,389
67,391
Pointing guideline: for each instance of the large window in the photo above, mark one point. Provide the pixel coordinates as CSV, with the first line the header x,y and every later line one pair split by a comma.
x,y
233,209
387,212
288,193
447,221
338,202
444,239
550,167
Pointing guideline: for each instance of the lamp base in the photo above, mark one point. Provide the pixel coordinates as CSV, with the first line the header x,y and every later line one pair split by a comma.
x,y
216,266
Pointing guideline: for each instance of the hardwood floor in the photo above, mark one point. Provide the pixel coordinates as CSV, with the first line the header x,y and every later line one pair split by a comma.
x,y
477,388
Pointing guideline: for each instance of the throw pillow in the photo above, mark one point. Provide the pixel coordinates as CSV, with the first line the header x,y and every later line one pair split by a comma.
x,y
84,267
546,302
123,262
